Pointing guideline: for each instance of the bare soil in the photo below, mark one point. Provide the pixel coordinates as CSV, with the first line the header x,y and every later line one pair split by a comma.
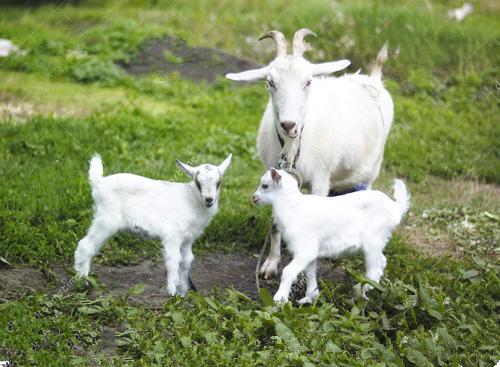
x,y
210,274
171,55
430,246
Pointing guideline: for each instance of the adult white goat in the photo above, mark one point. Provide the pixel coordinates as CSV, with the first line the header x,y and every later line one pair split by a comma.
x,y
331,130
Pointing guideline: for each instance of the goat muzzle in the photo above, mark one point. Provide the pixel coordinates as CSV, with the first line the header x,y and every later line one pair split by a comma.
x,y
290,128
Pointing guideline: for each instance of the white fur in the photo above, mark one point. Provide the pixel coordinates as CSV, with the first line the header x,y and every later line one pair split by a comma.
x,y
176,213
315,226
345,123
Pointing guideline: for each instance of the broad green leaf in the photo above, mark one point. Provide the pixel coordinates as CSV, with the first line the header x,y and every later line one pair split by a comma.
x,y
355,311
470,274
211,303
136,290
435,314
89,310
266,297
177,317
93,281
417,358
186,341
331,347
286,335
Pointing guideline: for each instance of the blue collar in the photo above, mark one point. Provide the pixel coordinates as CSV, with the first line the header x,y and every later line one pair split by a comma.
x,y
358,187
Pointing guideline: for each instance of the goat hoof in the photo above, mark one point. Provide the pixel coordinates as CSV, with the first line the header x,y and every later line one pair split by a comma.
x,y
268,274
171,290
309,299
305,301
81,270
280,298
359,293
269,269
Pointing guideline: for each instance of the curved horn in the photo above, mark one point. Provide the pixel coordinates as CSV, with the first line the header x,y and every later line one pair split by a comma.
x,y
279,38
299,46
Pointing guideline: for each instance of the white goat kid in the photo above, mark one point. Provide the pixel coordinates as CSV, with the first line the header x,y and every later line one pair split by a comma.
x,y
176,213
339,125
332,227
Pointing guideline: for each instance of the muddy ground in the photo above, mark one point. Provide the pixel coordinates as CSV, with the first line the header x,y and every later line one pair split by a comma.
x,y
210,274
171,55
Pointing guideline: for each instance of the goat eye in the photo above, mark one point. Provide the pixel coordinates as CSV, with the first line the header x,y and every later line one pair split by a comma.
x,y
308,83
270,84
264,186
198,185
218,184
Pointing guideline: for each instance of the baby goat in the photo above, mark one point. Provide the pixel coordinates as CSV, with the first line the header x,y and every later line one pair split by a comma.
x,y
177,213
315,226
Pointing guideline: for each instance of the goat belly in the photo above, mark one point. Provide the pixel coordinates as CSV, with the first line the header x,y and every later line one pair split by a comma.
x,y
336,250
141,233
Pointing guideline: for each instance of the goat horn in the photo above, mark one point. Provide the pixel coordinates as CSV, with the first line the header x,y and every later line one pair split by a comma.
x,y
279,38
299,46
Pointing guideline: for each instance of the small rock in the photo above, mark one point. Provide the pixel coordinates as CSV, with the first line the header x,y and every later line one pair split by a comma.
x,y
7,48
459,14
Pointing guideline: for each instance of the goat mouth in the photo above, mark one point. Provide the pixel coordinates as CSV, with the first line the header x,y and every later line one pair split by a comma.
x,y
210,205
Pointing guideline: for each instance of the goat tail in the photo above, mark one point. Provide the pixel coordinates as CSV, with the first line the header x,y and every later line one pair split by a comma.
x,y
401,196
382,55
95,169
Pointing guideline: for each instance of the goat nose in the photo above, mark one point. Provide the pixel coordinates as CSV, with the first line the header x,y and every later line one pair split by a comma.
x,y
288,125
209,200
255,199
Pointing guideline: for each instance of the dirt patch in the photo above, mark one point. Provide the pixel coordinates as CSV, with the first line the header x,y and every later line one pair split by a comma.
x,y
210,274
16,282
430,246
171,55
19,111
460,192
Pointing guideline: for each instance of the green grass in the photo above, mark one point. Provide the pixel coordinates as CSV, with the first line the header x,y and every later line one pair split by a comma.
x,y
171,58
443,317
47,158
429,311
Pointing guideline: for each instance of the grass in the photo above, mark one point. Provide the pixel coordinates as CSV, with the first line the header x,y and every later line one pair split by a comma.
x,y
65,99
429,310
170,57
418,317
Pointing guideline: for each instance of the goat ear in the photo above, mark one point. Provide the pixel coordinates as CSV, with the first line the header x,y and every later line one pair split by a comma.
x,y
186,168
249,76
330,67
275,176
223,166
